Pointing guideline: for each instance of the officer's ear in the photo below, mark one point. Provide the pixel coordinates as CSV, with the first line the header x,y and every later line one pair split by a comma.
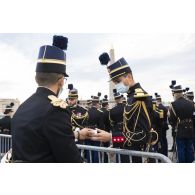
x,y
129,76
36,79
61,81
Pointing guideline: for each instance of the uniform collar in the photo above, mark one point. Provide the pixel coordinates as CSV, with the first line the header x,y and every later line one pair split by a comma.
x,y
133,88
74,106
45,91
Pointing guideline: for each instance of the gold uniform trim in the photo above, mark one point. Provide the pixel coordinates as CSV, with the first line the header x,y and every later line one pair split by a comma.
x,y
57,102
121,67
111,78
177,90
72,95
52,61
173,110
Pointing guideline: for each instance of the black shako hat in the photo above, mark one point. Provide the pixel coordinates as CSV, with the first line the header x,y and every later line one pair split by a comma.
x,y
9,108
105,100
118,68
96,98
52,59
176,89
116,94
190,94
158,97
73,93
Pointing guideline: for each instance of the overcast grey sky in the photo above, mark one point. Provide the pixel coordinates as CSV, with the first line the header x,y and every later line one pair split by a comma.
x,y
155,59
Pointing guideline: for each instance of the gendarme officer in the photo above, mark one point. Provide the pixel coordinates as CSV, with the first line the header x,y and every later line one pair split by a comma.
x,y
41,127
79,115
138,111
116,119
181,116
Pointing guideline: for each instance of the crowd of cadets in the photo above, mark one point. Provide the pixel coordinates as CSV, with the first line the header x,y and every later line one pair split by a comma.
x,y
5,121
44,128
98,114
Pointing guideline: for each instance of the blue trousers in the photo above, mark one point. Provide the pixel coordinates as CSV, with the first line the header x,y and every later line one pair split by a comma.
x,y
185,150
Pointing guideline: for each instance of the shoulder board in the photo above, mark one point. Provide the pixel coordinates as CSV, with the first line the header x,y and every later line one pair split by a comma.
x,y
57,102
113,107
83,108
99,110
139,93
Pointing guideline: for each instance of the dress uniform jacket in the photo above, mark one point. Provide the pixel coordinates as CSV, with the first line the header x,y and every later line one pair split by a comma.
x,y
162,127
5,125
95,121
106,119
181,115
42,131
138,118
194,118
164,124
95,118
116,117
79,117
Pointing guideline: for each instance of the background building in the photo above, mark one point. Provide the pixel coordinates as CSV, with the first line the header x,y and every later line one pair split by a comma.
x,y
5,102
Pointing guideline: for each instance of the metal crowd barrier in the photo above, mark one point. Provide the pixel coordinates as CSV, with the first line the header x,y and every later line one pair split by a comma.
x,y
5,144
113,155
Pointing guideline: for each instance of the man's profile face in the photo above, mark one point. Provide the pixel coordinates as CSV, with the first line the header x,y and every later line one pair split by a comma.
x,y
126,79
118,79
72,101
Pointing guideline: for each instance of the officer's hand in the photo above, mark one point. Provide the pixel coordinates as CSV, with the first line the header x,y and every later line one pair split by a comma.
x,y
84,133
101,135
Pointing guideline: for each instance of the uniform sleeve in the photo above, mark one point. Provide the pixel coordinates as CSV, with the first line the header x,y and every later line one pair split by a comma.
x,y
58,131
172,117
0,123
107,122
101,121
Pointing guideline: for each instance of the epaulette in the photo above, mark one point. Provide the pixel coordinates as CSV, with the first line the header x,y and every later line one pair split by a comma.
x,y
139,93
57,102
99,110
84,108
160,112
